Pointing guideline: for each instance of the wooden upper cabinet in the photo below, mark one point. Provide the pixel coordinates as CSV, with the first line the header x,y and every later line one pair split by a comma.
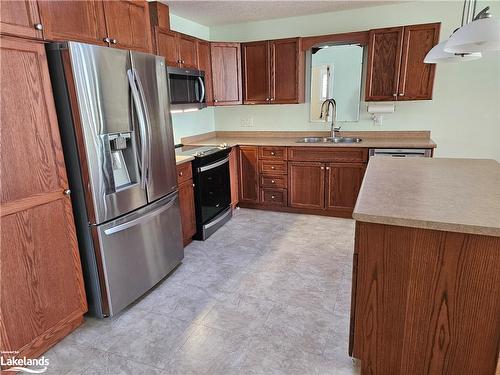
x,y
343,184
226,73
396,68
287,71
188,54
166,45
384,62
204,63
417,78
81,21
38,239
159,15
306,185
248,174
256,72
128,24
20,18
273,72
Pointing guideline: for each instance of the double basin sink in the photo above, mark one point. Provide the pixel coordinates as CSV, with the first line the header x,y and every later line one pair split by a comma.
x,y
329,140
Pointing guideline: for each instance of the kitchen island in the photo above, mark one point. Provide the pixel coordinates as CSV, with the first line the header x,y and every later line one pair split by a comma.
x,y
426,280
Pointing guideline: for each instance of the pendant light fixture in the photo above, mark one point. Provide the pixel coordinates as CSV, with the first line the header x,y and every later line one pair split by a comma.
x,y
478,33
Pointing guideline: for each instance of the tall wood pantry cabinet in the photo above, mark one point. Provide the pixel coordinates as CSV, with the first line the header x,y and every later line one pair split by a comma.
x,y
42,295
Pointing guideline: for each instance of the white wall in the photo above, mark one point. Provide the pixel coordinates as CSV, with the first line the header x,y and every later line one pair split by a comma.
x,y
463,117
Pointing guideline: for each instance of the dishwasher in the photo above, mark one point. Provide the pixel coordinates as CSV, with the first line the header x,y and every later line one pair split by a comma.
x,y
401,152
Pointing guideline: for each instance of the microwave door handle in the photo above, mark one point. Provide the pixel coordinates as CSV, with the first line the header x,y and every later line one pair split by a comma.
x,y
147,120
142,127
202,85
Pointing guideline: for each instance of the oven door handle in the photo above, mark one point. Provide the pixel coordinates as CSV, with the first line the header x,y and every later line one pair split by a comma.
x,y
214,165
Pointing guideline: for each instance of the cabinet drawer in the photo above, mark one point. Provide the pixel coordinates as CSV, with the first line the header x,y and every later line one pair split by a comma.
x,y
272,153
272,167
184,172
275,197
340,155
268,181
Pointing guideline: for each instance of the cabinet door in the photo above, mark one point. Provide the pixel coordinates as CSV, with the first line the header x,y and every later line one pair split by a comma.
x,y
306,185
187,51
128,25
417,78
42,284
384,62
19,18
159,15
233,176
343,183
188,214
249,174
167,46
226,73
81,21
256,72
287,71
204,63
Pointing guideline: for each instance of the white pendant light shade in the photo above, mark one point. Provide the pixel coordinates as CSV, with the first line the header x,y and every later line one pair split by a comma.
x,y
477,36
438,55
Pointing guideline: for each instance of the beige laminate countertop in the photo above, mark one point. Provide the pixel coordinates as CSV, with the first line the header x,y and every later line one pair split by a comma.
x,y
292,141
179,159
456,195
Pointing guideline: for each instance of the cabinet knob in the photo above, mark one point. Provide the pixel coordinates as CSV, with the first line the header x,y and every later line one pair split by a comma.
x,y
273,167
216,101
193,185
402,94
327,168
67,192
272,197
180,173
394,95
322,168
272,99
272,153
272,181
107,40
267,99
38,26
114,41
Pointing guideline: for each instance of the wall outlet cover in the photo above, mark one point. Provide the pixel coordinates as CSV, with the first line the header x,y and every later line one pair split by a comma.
x,y
246,122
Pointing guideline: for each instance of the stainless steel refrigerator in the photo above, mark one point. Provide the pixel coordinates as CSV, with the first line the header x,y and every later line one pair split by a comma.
x,y
113,112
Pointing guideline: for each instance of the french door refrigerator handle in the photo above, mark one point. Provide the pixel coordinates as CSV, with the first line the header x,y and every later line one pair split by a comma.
x,y
146,116
142,124
202,96
141,219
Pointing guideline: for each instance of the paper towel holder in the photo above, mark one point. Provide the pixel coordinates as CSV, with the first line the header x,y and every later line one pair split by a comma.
x,y
378,110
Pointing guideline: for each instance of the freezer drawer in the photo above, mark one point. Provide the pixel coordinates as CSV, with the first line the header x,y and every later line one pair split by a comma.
x,y
139,249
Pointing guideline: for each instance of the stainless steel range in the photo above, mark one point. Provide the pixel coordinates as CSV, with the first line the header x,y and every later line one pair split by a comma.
x,y
211,187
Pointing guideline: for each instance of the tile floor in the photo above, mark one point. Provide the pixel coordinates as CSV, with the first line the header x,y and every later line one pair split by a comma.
x,y
269,293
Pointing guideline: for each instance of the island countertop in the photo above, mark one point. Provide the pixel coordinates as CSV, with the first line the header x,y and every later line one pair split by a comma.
x,y
456,195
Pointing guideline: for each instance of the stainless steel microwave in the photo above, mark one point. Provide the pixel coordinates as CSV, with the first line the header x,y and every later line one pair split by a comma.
x,y
187,88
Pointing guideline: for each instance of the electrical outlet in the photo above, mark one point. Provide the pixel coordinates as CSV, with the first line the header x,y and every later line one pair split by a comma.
x,y
246,122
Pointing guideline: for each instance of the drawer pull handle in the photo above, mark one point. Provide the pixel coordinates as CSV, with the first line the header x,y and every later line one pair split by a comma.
x,y
272,197
273,167
322,168
272,153
272,181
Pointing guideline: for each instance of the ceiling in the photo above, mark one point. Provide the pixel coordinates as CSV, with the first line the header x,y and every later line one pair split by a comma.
x,y
211,13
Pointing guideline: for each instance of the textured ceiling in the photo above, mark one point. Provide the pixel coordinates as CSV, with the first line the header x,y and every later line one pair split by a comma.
x,y
221,12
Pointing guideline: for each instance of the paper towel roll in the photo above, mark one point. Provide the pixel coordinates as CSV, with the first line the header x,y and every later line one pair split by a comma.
x,y
381,108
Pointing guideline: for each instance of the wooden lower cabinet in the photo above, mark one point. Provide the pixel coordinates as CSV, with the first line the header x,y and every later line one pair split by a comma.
x,y
248,174
42,295
186,202
233,176
306,184
425,301
343,184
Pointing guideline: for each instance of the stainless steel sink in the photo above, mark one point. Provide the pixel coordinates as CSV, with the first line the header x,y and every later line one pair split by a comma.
x,y
329,140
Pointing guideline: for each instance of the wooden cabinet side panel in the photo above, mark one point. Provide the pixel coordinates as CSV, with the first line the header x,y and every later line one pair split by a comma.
x,y
417,78
73,20
233,176
18,18
248,174
188,213
384,62
418,295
